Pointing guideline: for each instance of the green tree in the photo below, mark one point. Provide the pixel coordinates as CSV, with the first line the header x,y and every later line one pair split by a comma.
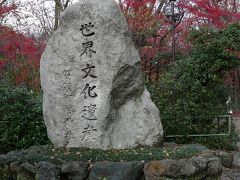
x,y
21,120
192,91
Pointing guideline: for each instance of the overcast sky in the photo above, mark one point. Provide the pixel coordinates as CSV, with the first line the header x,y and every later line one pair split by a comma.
x,y
28,21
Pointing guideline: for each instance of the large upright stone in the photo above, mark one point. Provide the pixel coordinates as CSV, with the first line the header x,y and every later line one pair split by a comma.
x,y
94,95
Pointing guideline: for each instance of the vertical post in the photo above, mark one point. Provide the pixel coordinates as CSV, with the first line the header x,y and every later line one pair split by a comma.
x,y
146,70
150,71
173,30
229,124
158,70
235,92
173,41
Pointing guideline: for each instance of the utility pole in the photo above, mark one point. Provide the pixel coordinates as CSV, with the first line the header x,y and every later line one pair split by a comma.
x,y
173,29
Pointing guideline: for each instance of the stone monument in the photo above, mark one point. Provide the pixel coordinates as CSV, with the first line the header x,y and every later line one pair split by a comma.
x,y
94,94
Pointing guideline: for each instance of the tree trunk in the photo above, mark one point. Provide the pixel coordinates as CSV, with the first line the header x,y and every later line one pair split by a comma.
x,y
58,10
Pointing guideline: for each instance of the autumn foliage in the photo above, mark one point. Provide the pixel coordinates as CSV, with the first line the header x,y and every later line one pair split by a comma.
x,y
152,29
213,13
19,54
191,87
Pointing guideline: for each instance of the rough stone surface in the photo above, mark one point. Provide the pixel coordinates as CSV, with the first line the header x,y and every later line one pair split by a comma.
x,y
194,167
10,157
14,166
236,122
236,160
3,159
24,171
5,172
169,168
29,167
231,175
117,171
75,170
47,171
214,166
94,95
225,158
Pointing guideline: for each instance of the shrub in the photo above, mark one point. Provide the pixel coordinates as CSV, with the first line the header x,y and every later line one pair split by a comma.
x,y
191,93
21,118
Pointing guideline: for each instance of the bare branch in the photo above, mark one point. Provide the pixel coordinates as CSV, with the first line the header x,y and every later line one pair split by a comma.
x,y
2,2
66,4
160,6
180,20
58,10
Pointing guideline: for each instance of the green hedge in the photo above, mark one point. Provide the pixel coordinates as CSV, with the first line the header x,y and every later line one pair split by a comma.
x,y
192,92
21,119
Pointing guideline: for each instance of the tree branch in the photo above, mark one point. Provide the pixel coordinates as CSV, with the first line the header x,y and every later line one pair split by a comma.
x,y
3,1
180,20
66,4
58,10
159,9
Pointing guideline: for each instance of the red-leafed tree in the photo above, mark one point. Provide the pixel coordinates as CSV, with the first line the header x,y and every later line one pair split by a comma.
x,y
218,14
19,54
214,13
6,9
21,57
153,36
151,28
150,31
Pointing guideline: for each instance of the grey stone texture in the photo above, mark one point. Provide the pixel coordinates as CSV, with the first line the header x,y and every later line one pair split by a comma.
x,y
94,94
200,167
47,171
231,175
117,171
75,170
236,160
29,167
24,171
225,158
29,164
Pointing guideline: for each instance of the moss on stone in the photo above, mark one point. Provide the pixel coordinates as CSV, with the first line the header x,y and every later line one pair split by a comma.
x,y
5,172
23,175
60,155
